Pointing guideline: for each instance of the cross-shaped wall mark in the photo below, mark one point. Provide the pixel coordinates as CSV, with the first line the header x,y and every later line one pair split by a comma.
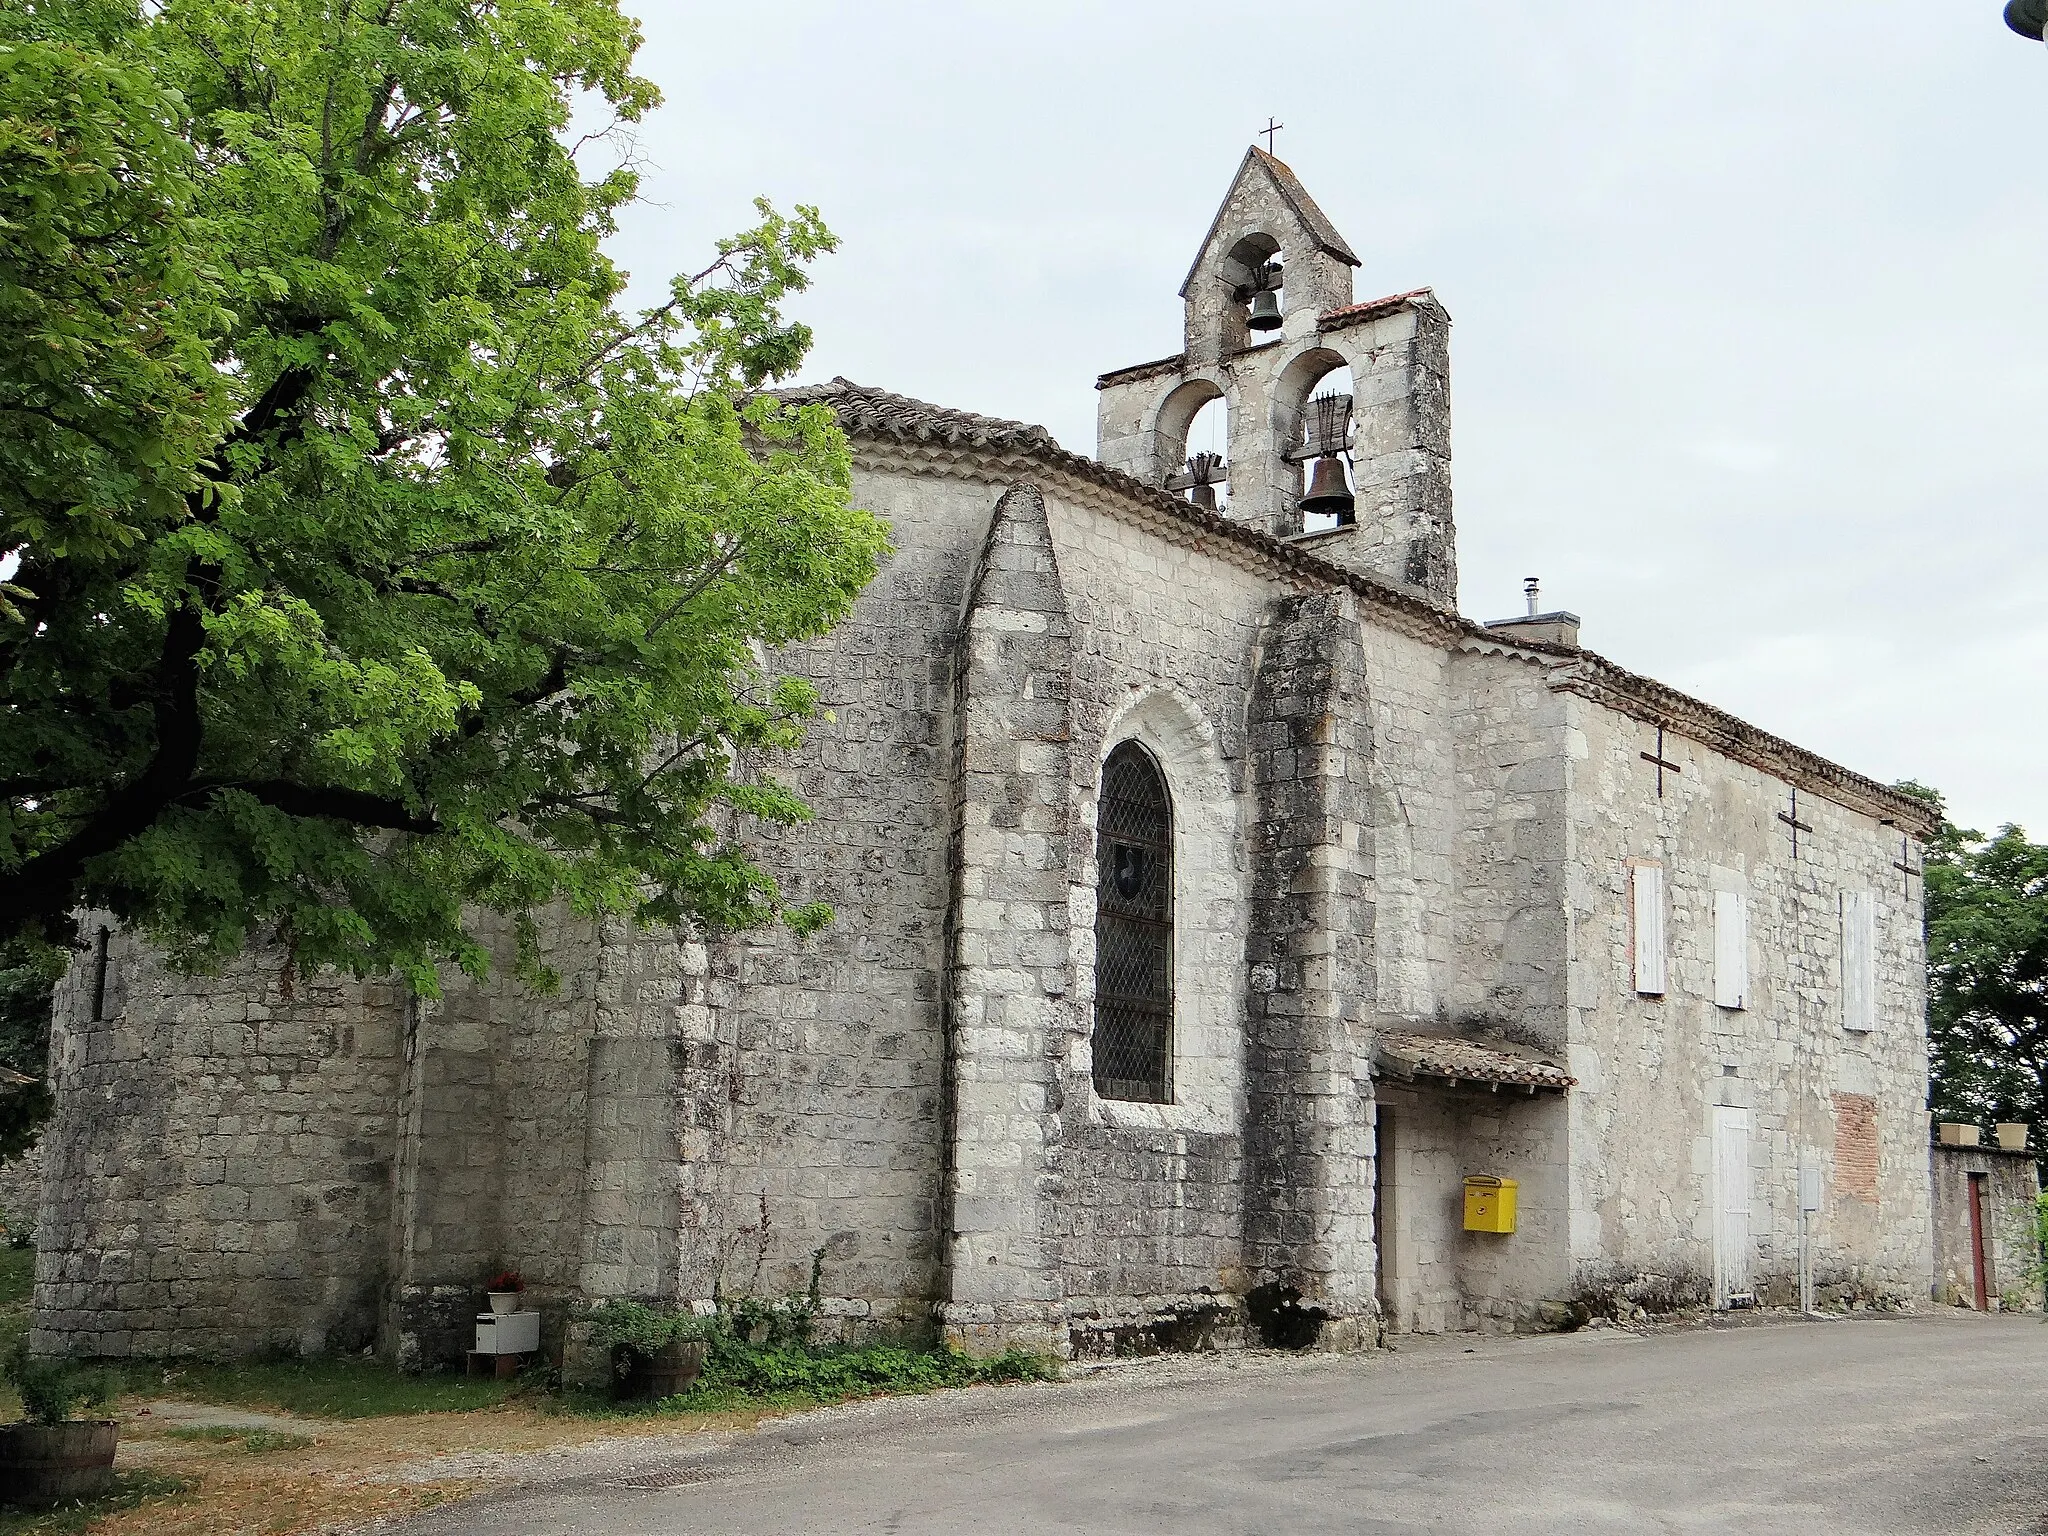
x,y
1795,823
1912,871
1664,765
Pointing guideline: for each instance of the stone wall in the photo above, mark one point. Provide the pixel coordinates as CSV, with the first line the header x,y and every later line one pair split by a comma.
x,y
217,1174
1436,1276
21,1190
2011,1184
1149,1210
1651,1069
810,1100
1372,828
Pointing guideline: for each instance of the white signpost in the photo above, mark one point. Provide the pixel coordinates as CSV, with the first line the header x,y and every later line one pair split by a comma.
x,y
1809,1202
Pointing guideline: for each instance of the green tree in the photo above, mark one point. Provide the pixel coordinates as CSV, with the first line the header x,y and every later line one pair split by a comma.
x,y
1987,972
375,564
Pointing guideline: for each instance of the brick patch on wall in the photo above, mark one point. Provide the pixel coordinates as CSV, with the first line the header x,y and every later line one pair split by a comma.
x,y
1856,1146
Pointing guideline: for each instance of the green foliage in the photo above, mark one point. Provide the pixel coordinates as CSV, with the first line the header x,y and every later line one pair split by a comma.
x,y
52,1389
29,972
644,1330
17,1276
324,1388
761,1351
1987,973
375,565
109,397
789,1372
253,1440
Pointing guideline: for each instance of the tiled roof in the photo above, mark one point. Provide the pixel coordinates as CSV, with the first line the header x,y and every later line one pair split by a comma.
x,y
877,414
1371,309
865,412
1467,1061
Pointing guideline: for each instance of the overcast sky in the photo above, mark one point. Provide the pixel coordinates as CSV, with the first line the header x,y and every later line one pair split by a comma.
x,y
1750,355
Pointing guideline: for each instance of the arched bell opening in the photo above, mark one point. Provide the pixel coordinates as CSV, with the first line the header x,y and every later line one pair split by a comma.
x,y
1193,440
1256,278
1314,409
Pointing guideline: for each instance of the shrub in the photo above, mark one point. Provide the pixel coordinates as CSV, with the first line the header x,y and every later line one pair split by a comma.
x,y
52,1389
645,1330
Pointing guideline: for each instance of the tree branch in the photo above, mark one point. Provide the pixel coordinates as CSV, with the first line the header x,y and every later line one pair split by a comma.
x,y
47,884
355,806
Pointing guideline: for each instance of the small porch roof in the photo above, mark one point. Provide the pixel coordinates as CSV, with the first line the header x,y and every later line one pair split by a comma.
x,y
1456,1061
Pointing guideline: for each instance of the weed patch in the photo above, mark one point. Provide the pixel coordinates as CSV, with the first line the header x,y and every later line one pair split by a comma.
x,y
17,1275
131,1490
320,1388
248,1439
788,1374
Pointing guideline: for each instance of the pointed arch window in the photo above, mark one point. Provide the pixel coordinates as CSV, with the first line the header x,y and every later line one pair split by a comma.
x,y
1133,1046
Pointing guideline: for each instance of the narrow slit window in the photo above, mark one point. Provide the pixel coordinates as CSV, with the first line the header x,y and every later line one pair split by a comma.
x,y
99,973
1133,1046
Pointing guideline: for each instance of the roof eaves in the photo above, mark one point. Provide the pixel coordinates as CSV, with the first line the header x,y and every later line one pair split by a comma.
x,y
1586,673
1135,371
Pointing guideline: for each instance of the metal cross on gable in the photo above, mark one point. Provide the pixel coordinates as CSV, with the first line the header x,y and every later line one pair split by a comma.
x,y
1269,131
1664,764
1911,871
1794,822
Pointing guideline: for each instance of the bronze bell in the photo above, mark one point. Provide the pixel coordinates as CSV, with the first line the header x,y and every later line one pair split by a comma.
x,y
1328,492
1265,315
1203,496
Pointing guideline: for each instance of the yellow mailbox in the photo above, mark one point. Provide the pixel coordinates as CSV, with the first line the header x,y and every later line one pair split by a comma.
x,y
1489,1203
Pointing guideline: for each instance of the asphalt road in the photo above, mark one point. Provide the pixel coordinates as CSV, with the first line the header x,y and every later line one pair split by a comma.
x,y
1933,1423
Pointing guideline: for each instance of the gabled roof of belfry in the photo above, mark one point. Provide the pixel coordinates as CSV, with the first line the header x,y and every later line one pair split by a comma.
x,y
1294,194
879,416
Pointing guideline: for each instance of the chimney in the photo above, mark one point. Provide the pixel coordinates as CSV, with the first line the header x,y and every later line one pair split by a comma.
x,y
1554,628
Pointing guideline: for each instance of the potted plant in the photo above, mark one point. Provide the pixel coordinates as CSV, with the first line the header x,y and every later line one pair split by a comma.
x,y
503,1289
51,1458
654,1353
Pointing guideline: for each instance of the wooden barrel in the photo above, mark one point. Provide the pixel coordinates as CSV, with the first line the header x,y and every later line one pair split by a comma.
x,y
668,1371
55,1463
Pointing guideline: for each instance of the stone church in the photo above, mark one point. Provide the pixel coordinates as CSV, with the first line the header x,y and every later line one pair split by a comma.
x,y
1214,900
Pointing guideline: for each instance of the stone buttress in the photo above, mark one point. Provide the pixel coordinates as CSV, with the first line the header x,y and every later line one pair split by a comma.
x,y
1007,961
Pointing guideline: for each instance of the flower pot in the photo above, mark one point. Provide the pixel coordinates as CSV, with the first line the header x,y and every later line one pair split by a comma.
x,y
1954,1134
667,1371
503,1302
2012,1135
56,1463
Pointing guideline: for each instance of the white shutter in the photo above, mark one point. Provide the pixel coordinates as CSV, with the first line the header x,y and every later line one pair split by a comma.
x,y
1646,889
1731,949
1731,1203
1859,961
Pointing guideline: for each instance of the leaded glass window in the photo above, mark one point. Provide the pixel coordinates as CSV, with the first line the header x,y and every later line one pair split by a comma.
x,y
1134,930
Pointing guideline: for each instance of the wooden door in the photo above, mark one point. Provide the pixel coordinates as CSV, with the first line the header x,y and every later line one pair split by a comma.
x,y
1977,1241
1731,1203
